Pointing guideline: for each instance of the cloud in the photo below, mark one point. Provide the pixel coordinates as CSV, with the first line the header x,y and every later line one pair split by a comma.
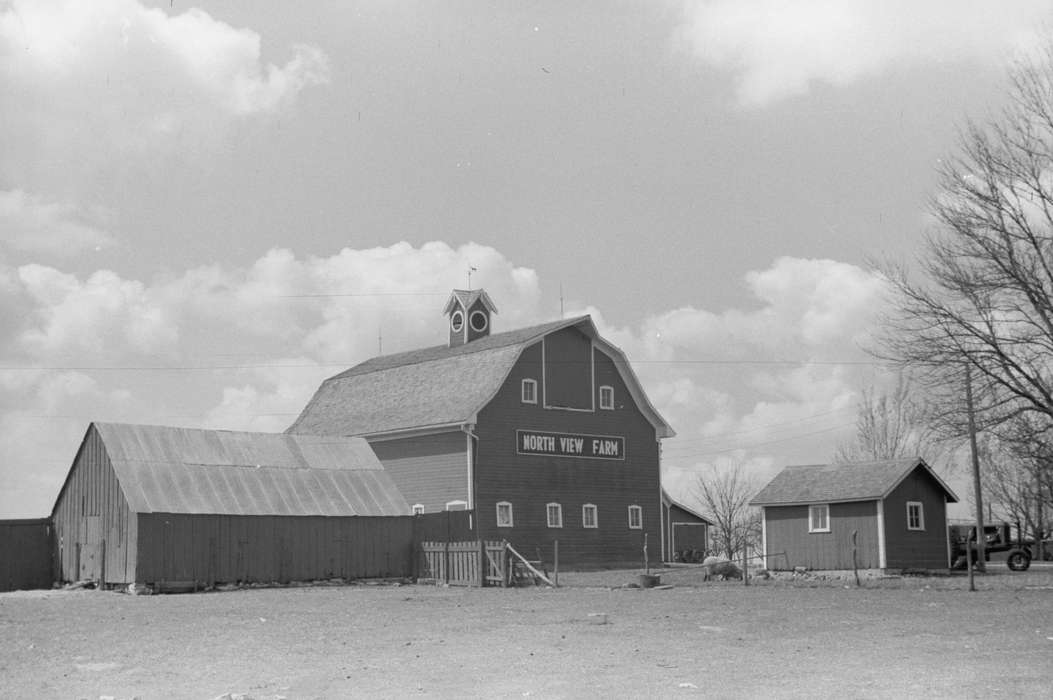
x,y
33,224
778,49
86,82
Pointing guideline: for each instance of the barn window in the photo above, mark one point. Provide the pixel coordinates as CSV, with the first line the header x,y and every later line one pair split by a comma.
x,y
588,516
504,514
418,509
607,398
819,518
457,505
915,515
635,518
529,391
555,514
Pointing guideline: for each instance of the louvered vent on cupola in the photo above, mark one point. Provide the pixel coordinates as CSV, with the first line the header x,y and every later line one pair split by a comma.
x,y
469,312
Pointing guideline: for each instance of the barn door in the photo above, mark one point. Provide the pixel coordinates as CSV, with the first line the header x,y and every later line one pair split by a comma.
x,y
90,564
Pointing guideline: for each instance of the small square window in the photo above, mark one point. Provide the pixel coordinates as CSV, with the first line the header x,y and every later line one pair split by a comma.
x,y
588,516
555,514
418,509
915,515
529,391
635,518
504,514
607,398
819,518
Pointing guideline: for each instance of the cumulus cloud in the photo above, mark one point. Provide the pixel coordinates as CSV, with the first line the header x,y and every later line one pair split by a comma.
x,y
34,224
778,49
84,82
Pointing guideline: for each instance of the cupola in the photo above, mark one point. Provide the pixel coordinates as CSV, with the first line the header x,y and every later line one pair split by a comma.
x,y
469,313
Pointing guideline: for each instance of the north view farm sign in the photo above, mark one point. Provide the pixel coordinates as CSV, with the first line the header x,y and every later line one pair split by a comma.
x,y
533,442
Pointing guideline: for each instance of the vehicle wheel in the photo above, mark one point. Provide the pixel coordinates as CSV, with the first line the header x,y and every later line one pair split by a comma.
x,y
1018,560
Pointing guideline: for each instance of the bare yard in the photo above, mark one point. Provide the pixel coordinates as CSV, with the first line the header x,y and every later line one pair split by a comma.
x,y
892,638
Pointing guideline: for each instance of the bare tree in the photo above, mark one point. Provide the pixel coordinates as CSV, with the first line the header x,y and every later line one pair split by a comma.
x,y
890,424
978,311
725,492
986,298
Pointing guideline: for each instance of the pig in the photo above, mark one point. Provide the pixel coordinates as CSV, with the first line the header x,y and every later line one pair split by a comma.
x,y
712,566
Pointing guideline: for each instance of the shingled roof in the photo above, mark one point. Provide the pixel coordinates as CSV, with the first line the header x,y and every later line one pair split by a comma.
x,y
182,470
439,386
833,483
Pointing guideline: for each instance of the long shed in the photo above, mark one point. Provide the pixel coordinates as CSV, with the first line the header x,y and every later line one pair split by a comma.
x,y
896,508
153,504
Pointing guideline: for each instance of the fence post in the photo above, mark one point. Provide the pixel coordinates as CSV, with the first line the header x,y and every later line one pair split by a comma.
x,y
480,570
555,562
446,562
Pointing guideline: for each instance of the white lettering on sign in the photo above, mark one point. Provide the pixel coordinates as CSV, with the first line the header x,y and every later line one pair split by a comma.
x,y
570,445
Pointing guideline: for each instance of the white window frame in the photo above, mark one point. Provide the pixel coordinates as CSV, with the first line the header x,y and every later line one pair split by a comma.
x,y
921,515
823,508
418,509
609,404
532,383
639,517
556,508
511,518
478,314
587,508
457,505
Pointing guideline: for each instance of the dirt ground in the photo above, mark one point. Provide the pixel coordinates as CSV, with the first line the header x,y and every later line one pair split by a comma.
x,y
815,637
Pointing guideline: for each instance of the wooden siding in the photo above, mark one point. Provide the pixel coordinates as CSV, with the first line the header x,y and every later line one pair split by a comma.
x,y
26,554
916,549
786,530
568,370
95,531
685,531
210,549
428,469
529,482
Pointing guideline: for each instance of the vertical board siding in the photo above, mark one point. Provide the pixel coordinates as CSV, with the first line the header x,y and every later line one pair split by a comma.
x,y
91,491
916,549
567,377
787,531
208,549
26,554
529,482
427,469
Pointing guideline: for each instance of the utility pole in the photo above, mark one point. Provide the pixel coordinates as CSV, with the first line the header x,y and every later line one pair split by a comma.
x,y
981,544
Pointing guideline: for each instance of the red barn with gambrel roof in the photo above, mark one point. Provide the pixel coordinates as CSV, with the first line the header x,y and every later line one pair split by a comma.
x,y
545,432
897,508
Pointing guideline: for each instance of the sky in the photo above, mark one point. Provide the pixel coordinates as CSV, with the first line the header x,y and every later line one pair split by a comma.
x,y
207,209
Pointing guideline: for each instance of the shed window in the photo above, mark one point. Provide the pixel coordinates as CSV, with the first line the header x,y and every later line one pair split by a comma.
x,y
418,509
504,514
588,516
529,391
555,514
915,515
607,398
819,518
635,518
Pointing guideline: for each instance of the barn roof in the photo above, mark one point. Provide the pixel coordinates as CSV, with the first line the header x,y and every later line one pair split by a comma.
x,y
670,501
440,386
833,483
184,470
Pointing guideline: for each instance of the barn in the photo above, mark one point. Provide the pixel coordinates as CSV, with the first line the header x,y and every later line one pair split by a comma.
x,y
687,531
178,506
544,433
897,510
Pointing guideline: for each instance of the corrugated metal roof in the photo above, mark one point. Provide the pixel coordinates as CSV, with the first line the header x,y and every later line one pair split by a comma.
x,y
437,386
832,483
184,470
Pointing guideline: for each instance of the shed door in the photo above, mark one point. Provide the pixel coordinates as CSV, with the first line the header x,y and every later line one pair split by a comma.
x,y
90,566
688,536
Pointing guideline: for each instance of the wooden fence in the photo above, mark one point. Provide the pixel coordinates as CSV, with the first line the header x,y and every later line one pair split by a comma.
x,y
472,563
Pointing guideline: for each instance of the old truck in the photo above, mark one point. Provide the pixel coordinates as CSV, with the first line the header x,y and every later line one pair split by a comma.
x,y
997,538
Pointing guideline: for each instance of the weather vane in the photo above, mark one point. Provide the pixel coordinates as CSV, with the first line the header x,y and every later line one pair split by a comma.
x,y
471,269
